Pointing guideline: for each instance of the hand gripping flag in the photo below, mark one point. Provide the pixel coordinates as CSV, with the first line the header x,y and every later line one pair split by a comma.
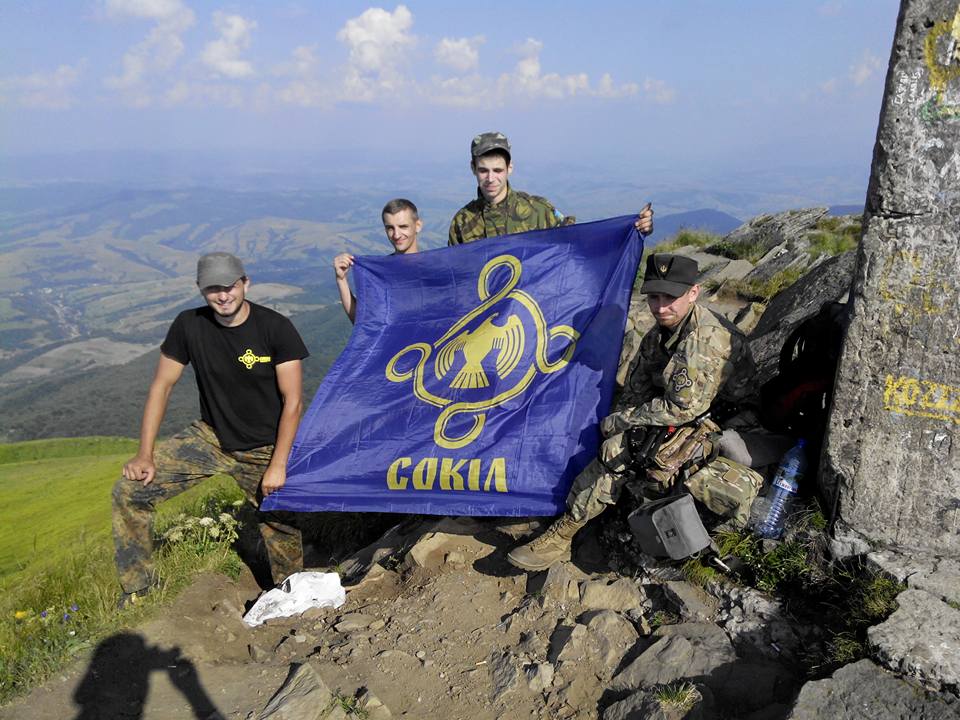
x,y
475,378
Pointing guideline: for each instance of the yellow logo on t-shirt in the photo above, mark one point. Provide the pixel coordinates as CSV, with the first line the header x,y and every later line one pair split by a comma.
x,y
249,359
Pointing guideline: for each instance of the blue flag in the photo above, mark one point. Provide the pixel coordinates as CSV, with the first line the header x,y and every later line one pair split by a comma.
x,y
475,378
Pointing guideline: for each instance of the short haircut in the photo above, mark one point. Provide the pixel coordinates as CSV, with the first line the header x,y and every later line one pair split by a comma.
x,y
493,153
397,205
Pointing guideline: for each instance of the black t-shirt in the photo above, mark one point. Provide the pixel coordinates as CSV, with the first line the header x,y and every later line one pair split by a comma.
x,y
239,397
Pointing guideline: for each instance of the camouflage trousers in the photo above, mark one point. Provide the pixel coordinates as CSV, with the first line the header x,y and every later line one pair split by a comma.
x,y
725,487
189,458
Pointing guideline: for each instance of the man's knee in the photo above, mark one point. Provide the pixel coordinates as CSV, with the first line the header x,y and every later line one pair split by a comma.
x,y
614,453
129,493
593,491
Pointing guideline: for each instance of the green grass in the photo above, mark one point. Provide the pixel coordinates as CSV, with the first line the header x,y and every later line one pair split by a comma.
x,y
679,696
844,599
764,290
349,704
49,506
688,238
65,447
58,584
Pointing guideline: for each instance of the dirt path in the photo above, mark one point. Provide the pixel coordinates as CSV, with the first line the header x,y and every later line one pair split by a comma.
x,y
423,638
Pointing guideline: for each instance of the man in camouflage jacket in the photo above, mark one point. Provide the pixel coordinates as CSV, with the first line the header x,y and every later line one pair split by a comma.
x,y
691,359
499,209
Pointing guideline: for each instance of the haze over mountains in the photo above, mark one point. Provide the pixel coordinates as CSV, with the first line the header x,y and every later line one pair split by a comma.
x,y
92,272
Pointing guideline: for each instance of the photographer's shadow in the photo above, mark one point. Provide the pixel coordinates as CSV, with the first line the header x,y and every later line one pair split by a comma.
x,y
118,680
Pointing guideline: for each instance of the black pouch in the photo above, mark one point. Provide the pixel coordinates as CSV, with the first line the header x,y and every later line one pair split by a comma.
x,y
670,527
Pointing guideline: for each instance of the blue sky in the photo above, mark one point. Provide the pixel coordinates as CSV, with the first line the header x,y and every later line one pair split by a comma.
x,y
655,85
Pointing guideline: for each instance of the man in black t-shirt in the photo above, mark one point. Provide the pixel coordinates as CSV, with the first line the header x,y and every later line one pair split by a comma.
x,y
247,362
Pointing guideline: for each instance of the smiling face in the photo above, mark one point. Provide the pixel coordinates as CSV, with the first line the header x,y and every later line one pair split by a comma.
x,y
492,171
670,310
227,301
402,229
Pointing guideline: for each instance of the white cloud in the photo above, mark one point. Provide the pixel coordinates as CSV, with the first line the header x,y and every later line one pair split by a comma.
x,y
830,86
305,88
659,91
204,94
830,9
461,54
158,51
223,54
527,82
378,41
864,69
48,91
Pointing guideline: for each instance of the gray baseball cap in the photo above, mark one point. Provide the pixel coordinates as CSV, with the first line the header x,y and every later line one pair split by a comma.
x,y
219,268
489,141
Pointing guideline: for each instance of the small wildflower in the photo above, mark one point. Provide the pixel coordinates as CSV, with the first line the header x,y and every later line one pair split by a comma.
x,y
74,607
206,521
21,614
72,632
43,614
66,617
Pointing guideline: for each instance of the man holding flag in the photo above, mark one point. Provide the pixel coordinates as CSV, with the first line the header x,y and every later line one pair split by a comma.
x,y
498,209
474,381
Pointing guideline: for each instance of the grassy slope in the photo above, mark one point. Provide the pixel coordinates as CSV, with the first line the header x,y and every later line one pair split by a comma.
x,y
55,495
58,585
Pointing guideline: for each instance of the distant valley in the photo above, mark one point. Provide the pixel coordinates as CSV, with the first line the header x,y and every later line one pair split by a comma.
x,y
91,276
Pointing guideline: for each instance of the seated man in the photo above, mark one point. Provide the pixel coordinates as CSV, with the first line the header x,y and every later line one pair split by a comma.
x,y
402,223
687,361
247,361
498,209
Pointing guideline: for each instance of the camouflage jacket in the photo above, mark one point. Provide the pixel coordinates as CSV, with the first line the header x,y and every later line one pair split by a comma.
x,y
517,212
676,378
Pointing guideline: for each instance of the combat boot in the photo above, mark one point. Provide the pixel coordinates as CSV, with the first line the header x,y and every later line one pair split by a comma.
x,y
551,547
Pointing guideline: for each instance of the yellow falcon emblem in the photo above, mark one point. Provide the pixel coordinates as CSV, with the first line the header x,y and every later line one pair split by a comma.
x,y
250,358
476,345
469,348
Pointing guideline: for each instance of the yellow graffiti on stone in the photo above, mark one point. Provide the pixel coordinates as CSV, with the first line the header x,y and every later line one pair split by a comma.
x,y
941,74
907,301
943,65
922,398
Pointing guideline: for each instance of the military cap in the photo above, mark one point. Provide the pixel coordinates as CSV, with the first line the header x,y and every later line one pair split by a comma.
x,y
488,142
669,274
219,268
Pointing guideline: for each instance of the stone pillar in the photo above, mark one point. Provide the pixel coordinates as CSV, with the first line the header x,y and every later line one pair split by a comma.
x,y
893,442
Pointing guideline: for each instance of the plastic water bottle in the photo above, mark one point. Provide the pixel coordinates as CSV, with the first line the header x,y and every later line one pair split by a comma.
x,y
785,485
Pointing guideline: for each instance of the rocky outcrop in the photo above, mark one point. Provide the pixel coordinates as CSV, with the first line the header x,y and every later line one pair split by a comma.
x,y
862,691
921,640
892,442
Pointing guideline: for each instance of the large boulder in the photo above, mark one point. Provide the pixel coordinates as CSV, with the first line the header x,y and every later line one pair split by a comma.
x,y
828,281
921,639
863,691
892,448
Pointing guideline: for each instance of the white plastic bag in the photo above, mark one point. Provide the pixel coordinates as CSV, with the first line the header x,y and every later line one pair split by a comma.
x,y
299,592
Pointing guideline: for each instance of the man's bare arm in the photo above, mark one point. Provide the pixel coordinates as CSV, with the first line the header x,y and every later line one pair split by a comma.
x,y
141,467
341,266
290,383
